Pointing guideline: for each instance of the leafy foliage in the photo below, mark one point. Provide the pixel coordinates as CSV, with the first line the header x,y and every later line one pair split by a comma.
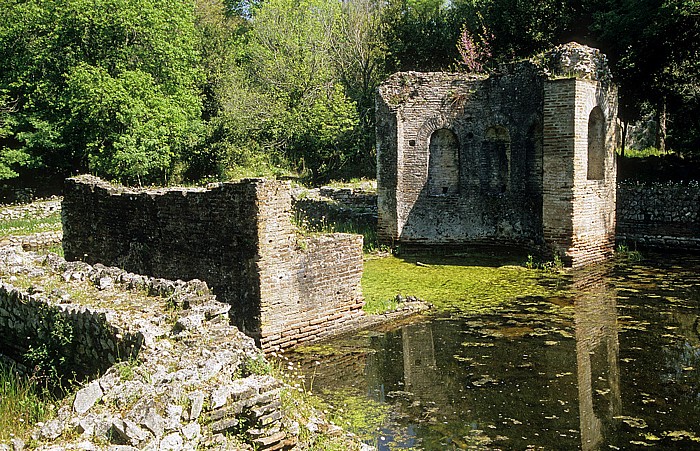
x,y
147,91
653,46
107,86
421,34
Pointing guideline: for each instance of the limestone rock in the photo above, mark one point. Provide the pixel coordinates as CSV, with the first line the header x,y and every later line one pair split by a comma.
x,y
87,397
171,442
52,430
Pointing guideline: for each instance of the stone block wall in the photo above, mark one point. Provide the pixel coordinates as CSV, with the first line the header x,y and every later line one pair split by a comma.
x,y
238,237
171,371
458,157
31,322
659,215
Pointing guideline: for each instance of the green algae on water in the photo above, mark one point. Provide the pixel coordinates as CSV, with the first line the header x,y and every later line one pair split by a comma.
x,y
449,283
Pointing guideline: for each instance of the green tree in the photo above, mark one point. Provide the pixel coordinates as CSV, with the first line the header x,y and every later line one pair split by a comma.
x,y
107,86
359,58
521,28
422,34
288,59
653,46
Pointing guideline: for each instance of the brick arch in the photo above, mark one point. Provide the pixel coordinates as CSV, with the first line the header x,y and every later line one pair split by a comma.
x,y
443,163
430,126
495,159
595,168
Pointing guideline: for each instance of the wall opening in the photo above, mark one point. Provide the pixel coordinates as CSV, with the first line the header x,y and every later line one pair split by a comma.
x,y
495,159
596,145
534,158
443,163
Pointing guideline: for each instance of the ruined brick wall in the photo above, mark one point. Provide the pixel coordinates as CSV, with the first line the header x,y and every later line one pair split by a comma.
x,y
180,233
459,157
311,292
659,215
523,156
579,195
238,237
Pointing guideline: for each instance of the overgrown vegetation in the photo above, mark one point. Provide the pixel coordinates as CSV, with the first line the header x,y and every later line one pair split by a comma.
x,y
651,165
47,357
30,225
553,265
625,253
200,90
23,403
465,283
368,231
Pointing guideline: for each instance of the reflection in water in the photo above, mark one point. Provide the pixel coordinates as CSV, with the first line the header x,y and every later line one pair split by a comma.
x,y
597,354
543,373
419,366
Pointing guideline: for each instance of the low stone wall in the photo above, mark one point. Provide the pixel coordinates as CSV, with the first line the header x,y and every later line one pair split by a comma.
x,y
30,322
35,210
327,207
659,215
40,327
33,242
284,288
184,378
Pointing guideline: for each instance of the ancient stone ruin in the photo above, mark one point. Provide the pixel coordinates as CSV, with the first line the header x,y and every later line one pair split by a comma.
x,y
523,156
161,365
284,288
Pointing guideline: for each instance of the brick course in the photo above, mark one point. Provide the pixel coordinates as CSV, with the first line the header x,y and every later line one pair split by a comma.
x,y
522,157
238,237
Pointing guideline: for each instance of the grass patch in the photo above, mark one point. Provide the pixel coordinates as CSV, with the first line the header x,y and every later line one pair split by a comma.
x,y
368,231
624,253
450,283
644,153
28,226
23,403
355,183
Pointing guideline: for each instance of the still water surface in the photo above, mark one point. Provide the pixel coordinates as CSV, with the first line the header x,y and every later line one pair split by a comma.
x,y
613,363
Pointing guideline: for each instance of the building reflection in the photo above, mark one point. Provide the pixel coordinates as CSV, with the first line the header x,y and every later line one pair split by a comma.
x,y
431,375
597,355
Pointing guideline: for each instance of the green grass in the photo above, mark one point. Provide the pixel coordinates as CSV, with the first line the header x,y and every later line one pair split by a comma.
x,y
355,183
644,153
28,226
22,404
368,232
450,283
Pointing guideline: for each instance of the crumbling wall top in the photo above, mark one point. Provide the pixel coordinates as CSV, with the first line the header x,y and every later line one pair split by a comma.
x,y
574,60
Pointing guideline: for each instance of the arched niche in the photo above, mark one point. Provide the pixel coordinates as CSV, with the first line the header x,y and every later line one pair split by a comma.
x,y
596,145
495,160
443,163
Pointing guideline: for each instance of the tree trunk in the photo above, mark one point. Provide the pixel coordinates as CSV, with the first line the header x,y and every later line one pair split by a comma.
x,y
624,138
661,126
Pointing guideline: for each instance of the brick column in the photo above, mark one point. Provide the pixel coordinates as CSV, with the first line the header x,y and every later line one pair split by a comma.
x,y
558,166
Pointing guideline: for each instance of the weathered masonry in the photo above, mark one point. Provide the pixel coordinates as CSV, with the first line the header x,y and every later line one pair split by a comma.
x,y
524,156
663,215
284,288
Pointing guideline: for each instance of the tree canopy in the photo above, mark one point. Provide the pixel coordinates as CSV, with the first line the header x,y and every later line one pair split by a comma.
x,y
148,91
107,86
